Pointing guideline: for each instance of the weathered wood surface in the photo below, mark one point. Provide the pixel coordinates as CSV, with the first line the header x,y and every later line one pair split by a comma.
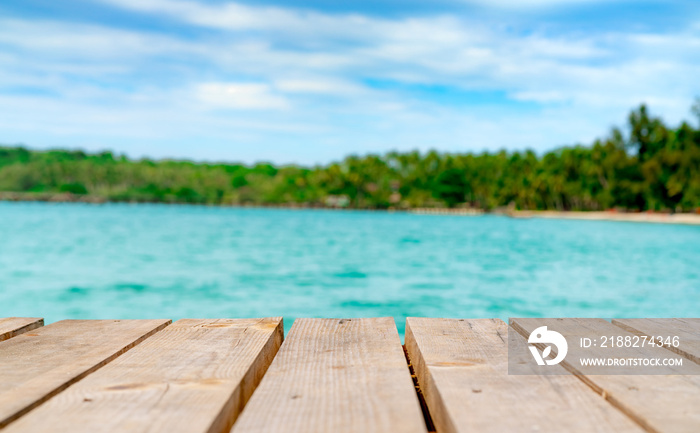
x,y
462,369
12,326
657,403
687,330
193,376
331,375
39,364
339,375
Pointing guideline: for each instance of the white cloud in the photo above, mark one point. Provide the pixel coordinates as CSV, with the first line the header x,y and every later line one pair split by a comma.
x,y
307,73
238,17
320,86
73,41
544,96
239,96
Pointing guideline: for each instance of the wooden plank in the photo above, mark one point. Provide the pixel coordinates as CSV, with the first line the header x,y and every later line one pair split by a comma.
x,y
336,375
41,363
194,376
462,369
687,330
658,403
13,326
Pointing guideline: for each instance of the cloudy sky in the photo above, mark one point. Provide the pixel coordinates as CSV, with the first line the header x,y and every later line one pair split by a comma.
x,y
312,81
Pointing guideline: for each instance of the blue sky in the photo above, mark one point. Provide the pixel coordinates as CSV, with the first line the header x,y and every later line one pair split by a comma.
x,y
313,81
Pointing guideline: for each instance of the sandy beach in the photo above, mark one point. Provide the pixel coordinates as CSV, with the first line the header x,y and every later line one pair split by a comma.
x,y
641,217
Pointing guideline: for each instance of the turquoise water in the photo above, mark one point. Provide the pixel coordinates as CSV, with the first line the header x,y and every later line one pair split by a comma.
x,y
150,261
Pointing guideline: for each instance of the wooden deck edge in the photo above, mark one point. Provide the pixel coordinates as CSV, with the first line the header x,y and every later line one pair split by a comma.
x,y
79,377
434,405
239,398
595,387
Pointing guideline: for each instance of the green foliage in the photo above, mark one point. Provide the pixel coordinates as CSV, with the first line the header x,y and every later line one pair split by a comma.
x,y
652,167
73,188
450,186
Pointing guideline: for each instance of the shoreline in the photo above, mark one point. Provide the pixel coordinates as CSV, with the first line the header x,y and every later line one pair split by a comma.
x,y
637,217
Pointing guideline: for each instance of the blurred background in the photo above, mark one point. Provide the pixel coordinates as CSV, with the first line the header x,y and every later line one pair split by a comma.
x,y
312,81
294,126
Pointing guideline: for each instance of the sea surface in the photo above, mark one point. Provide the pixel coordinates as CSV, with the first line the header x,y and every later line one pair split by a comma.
x,y
122,261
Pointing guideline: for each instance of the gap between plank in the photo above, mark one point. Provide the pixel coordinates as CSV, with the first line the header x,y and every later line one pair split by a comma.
x,y
421,398
46,397
595,387
677,350
22,329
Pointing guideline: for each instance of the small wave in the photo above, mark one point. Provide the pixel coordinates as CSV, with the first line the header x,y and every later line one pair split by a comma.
x,y
350,274
129,287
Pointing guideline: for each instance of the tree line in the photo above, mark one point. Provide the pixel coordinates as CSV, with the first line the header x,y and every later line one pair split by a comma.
x,y
645,166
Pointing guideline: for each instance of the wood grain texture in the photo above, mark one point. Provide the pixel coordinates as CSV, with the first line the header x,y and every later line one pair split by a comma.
x,y
336,375
688,331
462,369
13,326
41,363
658,403
193,376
